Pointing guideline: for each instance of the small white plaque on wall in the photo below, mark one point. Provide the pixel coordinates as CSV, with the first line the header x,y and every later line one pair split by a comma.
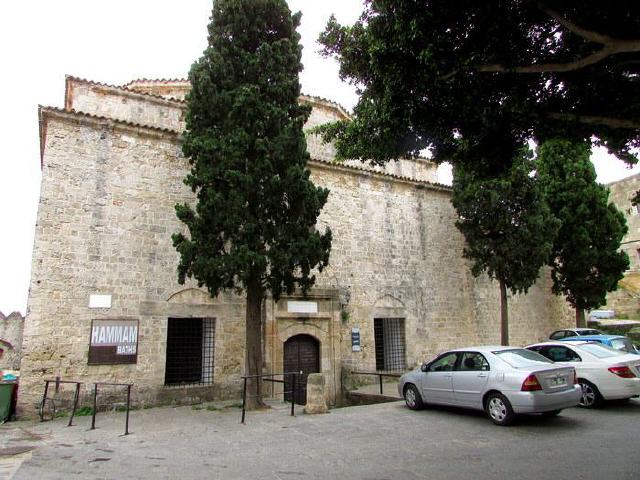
x,y
99,301
296,306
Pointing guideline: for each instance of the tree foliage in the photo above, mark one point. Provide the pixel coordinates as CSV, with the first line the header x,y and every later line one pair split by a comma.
x,y
507,225
586,261
252,227
457,75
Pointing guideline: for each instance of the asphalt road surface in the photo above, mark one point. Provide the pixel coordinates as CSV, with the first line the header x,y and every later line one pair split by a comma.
x,y
375,442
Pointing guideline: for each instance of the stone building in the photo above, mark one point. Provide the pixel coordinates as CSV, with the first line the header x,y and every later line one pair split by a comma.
x,y
626,300
11,328
104,301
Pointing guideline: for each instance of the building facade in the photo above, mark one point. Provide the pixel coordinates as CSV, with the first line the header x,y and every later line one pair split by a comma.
x,y
11,328
625,301
105,304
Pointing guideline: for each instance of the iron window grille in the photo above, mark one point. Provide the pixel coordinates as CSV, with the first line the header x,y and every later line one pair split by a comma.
x,y
190,351
389,344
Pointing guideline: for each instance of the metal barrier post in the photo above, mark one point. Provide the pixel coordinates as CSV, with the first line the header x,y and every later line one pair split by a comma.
x,y
44,398
126,425
293,394
244,398
95,406
75,404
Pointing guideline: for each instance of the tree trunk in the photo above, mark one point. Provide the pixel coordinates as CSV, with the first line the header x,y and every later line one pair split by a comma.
x,y
504,315
253,332
580,321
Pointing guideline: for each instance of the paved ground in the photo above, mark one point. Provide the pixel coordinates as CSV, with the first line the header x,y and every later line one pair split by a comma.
x,y
375,442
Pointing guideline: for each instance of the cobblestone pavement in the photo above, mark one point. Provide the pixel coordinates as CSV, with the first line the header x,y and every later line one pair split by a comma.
x,y
375,442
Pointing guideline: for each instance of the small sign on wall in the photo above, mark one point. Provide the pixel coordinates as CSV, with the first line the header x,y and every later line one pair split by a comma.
x,y
296,306
113,342
99,301
355,339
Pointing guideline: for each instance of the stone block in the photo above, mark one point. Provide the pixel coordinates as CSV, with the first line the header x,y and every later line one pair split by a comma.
x,y
316,401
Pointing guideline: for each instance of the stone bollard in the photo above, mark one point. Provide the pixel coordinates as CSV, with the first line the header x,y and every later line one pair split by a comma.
x,y
316,402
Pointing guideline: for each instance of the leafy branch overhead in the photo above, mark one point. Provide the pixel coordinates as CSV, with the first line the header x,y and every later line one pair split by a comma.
x,y
447,74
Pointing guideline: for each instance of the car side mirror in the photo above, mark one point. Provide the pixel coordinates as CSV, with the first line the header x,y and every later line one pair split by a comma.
x,y
424,367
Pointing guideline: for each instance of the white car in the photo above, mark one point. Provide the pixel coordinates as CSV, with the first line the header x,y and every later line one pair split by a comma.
x,y
574,332
502,381
603,373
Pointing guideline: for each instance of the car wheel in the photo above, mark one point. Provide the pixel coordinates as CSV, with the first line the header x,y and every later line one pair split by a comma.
x,y
591,397
499,409
552,413
412,397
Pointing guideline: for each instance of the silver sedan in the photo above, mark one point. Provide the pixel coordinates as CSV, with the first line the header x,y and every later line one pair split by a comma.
x,y
502,381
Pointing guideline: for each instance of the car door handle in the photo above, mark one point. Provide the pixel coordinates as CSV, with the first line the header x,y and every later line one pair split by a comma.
x,y
448,375
482,375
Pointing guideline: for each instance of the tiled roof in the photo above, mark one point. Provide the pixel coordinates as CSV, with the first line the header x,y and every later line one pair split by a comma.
x,y
124,88
157,80
435,185
43,110
127,87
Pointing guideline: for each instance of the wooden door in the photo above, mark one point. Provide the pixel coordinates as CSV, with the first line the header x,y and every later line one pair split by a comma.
x,y
301,354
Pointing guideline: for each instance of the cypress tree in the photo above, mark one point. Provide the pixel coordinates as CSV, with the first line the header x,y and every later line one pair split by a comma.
x,y
586,261
508,227
252,228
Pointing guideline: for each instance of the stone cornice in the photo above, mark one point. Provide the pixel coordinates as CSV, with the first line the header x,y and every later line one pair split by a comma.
x,y
323,164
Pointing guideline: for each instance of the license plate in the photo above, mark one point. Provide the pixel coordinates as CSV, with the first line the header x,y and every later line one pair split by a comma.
x,y
557,381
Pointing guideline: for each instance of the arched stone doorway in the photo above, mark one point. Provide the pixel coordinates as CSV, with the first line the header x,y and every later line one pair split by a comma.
x,y
301,354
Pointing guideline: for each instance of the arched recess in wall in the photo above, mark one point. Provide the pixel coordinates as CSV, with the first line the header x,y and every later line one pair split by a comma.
x,y
389,326
194,296
388,306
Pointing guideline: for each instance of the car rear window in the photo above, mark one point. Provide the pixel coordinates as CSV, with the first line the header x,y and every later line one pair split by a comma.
x,y
588,332
600,351
622,344
519,357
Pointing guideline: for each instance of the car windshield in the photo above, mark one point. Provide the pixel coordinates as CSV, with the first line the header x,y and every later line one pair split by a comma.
x,y
600,351
622,344
588,332
519,357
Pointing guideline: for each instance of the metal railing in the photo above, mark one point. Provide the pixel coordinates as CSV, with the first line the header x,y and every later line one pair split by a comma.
x,y
268,377
48,404
95,403
379,375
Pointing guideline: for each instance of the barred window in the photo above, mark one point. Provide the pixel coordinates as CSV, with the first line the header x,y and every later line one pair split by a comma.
x,y
190,351
390,347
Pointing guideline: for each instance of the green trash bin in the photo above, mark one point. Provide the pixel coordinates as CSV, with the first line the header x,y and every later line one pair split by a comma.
x,y
6,396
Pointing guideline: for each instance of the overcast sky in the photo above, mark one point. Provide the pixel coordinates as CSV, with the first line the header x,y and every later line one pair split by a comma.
x,y
114,42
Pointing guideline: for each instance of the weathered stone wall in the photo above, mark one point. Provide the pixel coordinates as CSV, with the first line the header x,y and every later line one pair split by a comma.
x,y
171,88
125,105
396,247
532,317
105,219
11,331
622,192
143,103
625,301
104,227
